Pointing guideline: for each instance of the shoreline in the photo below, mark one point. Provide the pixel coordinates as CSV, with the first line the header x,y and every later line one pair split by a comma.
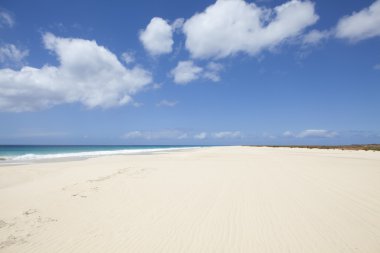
x,y
77,156
5,163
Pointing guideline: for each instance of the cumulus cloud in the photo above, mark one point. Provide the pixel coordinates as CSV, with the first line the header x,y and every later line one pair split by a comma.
x,y
178,134
212,71
360,25
229,27
6,19
200,136
157,37
311,133
227,134
133,135
167,103
10,54
154,135
185,72
157,86
177,24
314,37
268,136
128,57
137,104
87,73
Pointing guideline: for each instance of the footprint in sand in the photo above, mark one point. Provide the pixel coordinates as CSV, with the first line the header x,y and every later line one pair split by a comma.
x,y
29,212
84,190
20,228
11,240
3,224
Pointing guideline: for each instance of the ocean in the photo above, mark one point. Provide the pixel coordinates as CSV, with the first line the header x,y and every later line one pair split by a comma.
x,y
38,152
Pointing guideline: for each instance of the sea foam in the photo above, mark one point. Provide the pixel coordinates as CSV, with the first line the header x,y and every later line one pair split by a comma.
x,y
88,154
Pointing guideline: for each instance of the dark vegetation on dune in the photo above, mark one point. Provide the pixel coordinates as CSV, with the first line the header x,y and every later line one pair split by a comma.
x,y
366,147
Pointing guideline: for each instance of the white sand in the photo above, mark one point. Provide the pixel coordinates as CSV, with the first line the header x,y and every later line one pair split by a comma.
x,y
222,199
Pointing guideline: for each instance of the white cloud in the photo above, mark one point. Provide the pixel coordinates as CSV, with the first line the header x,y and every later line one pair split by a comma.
x,y
376,67
157,86
10,54
229,27
360,25
311,133
269,136
167,103
87,73
315,36
316,133
6,19
226,134
157,38
183,136
29,134
128,57
177,24
133,135
185,72
200,136
288,134
212,71
177,134
154,135
137,104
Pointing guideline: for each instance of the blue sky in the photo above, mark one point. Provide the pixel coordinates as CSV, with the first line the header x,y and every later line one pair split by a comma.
x,y
189,72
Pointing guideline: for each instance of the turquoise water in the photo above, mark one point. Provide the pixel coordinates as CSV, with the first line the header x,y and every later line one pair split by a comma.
x,y
33,152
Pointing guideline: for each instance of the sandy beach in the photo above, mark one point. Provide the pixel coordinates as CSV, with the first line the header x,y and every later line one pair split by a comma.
x,y
217,199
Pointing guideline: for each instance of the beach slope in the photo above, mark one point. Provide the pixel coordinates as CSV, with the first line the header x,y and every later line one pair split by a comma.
x,y
217,199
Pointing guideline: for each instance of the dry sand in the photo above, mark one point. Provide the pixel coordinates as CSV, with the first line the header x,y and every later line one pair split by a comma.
x,y
220,199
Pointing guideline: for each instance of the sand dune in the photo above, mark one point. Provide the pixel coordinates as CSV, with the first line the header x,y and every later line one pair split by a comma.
x,y
219,199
